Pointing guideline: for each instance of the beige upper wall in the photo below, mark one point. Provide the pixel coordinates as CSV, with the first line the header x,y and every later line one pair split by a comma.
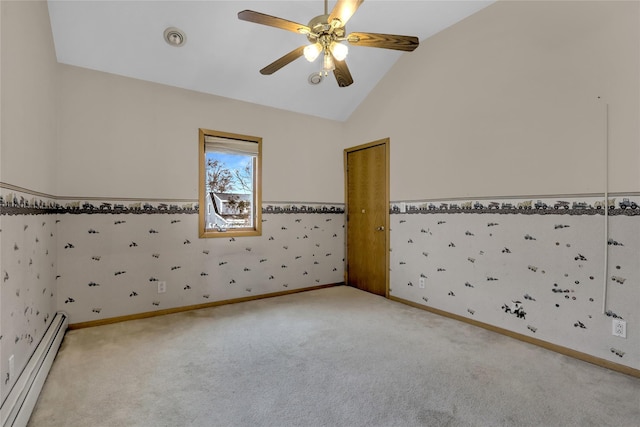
x,y
75,132
503,103
121,137
28,85
506,103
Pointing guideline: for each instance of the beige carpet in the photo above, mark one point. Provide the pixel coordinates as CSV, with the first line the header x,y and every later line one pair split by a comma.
x,y
331,357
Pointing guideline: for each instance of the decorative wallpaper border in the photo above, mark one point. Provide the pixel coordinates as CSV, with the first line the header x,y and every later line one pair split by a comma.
x,y
41,207
298,208
26,203
575,205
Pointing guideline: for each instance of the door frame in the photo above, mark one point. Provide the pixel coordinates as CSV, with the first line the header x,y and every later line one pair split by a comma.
x,y
386,142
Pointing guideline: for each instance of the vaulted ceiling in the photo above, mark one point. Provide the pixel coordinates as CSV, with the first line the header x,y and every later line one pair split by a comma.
x,y
223,55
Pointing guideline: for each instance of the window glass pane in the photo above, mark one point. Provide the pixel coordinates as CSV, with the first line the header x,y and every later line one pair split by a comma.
x,y
229,182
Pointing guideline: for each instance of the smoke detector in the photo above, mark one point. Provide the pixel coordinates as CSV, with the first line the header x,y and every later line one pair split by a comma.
x,y
175,37
315,78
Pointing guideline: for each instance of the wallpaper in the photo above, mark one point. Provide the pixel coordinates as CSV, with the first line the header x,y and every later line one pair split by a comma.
x,y
535,267
28,264
111,260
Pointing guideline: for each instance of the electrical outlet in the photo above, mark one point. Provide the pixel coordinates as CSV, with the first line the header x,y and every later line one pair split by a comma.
x,y
422,282
162,287
11,367
619,328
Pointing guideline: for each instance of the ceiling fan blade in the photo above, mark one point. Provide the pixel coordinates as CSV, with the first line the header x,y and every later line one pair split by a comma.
x,y
284,60
342,74
344,10
272,21
385,41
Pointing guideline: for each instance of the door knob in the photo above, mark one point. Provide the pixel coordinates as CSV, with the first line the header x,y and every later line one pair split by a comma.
x,y
381,228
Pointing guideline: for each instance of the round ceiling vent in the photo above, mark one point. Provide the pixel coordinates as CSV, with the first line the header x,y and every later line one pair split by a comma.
x,y
175,37
315,78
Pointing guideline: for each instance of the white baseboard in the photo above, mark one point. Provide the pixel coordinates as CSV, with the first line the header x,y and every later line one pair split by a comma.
x,y
22,398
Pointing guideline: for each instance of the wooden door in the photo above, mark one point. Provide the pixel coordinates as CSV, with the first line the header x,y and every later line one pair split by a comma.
x,y
367,210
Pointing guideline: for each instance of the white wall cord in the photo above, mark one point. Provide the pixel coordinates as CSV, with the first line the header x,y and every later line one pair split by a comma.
x,y
606,208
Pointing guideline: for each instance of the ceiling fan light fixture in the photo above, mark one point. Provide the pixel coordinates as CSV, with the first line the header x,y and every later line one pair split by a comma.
x,y
339,51
312,51
326,33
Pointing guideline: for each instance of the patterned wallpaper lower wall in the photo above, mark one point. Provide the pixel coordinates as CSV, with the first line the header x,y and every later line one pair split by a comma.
x,y
535,267
28,265
111,260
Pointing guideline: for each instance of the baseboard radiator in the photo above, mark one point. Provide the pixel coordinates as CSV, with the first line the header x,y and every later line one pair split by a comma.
x,y
22,398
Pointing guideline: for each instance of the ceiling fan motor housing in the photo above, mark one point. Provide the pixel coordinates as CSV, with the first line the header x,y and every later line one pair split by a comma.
x,y
320,27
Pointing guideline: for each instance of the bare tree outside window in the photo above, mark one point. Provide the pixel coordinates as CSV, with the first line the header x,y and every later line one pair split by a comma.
x,y
219,177
244,177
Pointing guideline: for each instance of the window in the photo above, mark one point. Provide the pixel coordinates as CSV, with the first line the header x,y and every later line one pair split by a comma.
x,y
230,197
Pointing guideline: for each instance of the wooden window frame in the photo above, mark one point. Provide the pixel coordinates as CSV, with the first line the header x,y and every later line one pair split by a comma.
x,y
256,230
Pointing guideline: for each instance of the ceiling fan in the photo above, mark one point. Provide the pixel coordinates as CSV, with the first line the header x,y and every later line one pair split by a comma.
x,y
326,33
